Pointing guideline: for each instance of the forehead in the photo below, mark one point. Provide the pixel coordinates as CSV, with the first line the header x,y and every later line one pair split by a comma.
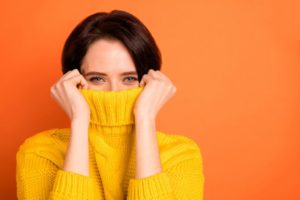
x,y
107,56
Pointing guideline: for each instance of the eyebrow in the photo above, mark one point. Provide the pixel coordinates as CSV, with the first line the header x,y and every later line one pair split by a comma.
x,y
103,74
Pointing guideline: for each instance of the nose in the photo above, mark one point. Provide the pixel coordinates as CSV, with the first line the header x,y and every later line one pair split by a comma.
x,y
113,86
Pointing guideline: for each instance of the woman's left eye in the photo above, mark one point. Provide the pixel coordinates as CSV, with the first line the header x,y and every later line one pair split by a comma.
x,y
131,78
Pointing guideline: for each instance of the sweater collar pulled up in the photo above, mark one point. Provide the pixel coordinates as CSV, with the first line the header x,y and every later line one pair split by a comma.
x,y
110,110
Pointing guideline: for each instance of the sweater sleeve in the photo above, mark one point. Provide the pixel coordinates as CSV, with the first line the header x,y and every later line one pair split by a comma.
x,y
184,181
39,178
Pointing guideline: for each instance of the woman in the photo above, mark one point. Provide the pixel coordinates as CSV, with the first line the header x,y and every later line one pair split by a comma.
x,y
111,90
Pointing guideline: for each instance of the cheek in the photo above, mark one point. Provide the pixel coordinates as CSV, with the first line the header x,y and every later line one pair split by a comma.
x,y
97,87
126,87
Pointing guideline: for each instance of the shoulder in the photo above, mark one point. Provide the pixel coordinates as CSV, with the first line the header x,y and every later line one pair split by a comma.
x,y
44,139
175,148
49,144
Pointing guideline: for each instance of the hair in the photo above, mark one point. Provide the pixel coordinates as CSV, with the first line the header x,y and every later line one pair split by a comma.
x,y
116,25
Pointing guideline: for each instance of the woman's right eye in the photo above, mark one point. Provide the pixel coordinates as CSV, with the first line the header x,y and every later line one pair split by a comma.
x,y
95,78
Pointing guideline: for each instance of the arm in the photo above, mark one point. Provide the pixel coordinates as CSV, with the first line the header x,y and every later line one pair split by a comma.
x,y
184,180
147,151
77,159
39,177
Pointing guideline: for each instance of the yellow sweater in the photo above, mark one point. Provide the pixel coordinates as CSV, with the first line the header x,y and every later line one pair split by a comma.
x,y
40,173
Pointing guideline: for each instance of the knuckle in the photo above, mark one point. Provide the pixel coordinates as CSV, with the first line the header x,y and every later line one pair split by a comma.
x,y
145,76
151,71
174,89
157,81
52,89
170,87
64,83
72,71
52,92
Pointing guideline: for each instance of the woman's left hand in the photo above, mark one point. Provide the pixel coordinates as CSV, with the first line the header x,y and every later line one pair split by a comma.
x,y
158,89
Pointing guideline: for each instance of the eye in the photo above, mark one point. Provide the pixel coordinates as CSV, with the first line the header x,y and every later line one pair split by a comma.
x,y
96,78
131,78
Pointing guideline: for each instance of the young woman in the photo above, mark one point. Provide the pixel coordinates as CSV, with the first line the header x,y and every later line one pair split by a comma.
x,y
112,90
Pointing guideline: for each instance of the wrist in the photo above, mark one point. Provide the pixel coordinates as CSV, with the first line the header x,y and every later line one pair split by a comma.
x,y
81,119
144,118
79,127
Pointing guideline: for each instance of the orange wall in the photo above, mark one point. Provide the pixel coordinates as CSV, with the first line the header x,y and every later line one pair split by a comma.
x,y
235,65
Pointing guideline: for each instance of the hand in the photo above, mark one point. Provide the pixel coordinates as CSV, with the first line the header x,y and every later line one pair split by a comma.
x,y
158,90
67,95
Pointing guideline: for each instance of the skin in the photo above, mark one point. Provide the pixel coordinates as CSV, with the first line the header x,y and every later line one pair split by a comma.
x,y
111,58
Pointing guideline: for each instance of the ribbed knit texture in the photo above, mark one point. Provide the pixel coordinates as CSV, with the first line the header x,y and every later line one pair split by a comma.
x,y
112,159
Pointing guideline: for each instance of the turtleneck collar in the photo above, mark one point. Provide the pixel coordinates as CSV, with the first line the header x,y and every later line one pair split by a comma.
x,y
112,111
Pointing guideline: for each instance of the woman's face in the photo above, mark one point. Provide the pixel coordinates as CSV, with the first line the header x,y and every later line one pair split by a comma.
x,y
107,65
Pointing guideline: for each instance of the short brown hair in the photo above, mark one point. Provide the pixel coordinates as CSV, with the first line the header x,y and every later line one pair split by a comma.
x,y
119,25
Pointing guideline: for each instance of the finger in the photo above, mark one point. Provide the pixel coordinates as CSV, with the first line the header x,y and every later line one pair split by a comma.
x,y
58,97
55,93
146,78
142,82
163,76
154,74
69,74
78,80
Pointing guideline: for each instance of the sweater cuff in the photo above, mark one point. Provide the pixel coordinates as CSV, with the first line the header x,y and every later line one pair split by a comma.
x,y
157,185
71,185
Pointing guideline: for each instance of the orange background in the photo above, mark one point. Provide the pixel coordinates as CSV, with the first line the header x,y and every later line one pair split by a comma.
x,y
235,65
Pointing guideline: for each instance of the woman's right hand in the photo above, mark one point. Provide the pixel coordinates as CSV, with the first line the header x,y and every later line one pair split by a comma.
x,y
66,93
